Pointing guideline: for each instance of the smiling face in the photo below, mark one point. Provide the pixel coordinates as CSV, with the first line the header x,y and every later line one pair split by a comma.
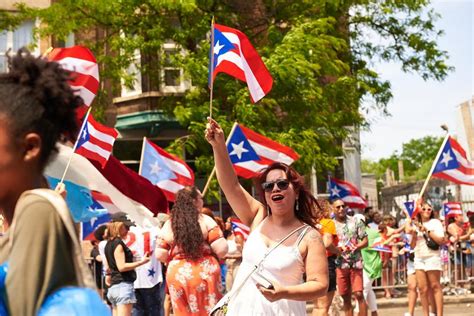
x,y
281,200
426,212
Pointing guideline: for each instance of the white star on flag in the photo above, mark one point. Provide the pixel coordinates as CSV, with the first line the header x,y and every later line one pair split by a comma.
x,y
335,191
217,48
238,149
446,158
84,133
92,221
155,168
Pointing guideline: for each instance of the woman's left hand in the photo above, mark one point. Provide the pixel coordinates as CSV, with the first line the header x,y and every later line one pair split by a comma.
x,y
273,294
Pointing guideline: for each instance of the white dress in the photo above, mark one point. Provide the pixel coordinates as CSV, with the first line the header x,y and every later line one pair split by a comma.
x,y
284,264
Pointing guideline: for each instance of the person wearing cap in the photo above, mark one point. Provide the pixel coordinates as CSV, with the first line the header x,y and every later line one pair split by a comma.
x,y
121,265
459,234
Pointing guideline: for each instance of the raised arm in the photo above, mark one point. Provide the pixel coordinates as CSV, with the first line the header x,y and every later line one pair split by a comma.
x,y
243,204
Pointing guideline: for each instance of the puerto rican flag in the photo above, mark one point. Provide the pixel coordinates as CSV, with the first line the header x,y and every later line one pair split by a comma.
x,y
379,245
239,228
347,192
410,207
85,72
234,55
452,209
102,202
453,164
164,170
251,152
95,140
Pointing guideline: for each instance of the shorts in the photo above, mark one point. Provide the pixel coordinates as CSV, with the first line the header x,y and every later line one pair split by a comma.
x,y
332,273
121,294
460,257
349,281
410,267
428,264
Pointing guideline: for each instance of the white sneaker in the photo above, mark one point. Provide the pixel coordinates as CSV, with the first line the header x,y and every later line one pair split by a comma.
x,y
432,314
407,314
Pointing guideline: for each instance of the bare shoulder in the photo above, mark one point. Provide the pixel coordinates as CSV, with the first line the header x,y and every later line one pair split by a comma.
x,y
313,237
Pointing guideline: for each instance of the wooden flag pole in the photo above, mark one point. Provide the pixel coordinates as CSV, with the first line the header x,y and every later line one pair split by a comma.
x,y
141,157
213,172
75,145
211,75
440,151
46,53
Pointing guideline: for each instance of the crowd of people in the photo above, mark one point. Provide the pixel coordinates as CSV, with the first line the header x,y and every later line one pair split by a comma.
x,y
299,249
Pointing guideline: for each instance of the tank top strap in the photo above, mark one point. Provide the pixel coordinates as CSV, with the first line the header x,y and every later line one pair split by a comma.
x,y
301,235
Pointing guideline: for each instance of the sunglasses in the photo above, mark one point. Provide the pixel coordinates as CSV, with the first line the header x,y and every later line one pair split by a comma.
x,y
340,206
282,184
426,209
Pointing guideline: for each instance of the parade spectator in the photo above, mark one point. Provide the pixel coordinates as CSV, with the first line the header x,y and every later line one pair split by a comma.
x,y
427,237
459,234
352,238
148,284
285,213
121,293
372,268
327,228
100,237
188,241
375,220
37,106
234,255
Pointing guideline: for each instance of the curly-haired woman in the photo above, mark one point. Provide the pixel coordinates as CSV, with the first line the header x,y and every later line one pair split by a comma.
x,y
188,240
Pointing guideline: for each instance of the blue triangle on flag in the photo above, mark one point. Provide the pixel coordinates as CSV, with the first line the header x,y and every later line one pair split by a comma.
x,y
410,207
221,45
154,167
239,147
84,137
447,160
336,191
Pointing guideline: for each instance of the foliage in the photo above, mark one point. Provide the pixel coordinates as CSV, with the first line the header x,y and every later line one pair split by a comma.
x,y
319,53
417,156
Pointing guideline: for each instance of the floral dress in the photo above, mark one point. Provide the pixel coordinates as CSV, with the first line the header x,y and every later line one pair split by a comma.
x,y
194,285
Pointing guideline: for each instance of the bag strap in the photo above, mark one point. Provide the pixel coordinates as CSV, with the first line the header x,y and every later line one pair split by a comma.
x,y
233,293
83,274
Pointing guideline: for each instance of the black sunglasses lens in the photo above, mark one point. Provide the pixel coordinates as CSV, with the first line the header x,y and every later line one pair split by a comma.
x,y
283,184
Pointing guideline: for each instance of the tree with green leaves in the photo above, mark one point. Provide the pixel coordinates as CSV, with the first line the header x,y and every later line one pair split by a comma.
x,y
320,54
417,157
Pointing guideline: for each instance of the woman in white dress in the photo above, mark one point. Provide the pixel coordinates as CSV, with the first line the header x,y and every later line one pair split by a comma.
x,y
287,206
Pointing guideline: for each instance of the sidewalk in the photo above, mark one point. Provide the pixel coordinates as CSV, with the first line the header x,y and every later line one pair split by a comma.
x,y
402,301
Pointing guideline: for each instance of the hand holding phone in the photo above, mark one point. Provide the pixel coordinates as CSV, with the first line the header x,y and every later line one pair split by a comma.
x,y
262,280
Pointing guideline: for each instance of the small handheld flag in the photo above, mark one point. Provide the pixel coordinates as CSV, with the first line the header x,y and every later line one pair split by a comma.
x,y
233,54
83,65
453,164
164,170
347,192
251,152
95,140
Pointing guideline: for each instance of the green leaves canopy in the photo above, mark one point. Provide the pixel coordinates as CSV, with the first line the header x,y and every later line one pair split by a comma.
x,y
319,53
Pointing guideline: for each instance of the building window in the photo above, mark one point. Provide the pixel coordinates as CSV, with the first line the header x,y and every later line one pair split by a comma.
x,y
172,76
134,74
22,36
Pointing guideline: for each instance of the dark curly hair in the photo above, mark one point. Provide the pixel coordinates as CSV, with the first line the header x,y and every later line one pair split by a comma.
x,y
35,97
309,210
185,223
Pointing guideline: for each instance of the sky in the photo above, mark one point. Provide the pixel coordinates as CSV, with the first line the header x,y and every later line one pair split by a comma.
x,y
419,107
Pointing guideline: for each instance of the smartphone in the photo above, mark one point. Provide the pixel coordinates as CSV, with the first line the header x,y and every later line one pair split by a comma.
x,y
261,279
